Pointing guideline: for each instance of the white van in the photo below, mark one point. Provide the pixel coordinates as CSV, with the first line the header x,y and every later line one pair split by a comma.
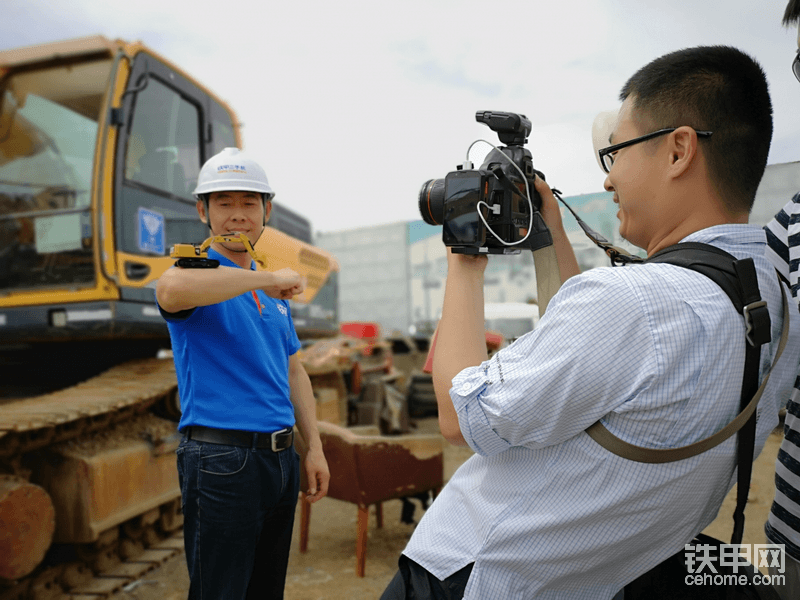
x,y
512,319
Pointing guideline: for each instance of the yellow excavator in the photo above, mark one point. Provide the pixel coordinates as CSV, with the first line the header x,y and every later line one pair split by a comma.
x,y
101,142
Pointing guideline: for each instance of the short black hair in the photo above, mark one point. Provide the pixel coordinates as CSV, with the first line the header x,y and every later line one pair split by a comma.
x,y
792,14
713,88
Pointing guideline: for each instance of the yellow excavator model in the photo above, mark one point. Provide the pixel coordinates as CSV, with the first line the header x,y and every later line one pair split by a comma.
x,y
196,257
101,142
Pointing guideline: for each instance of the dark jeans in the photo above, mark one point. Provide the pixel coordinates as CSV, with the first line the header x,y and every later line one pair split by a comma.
x,y
238,506
413,582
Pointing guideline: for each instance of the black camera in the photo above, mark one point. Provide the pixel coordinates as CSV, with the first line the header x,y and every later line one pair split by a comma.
x,y
490,210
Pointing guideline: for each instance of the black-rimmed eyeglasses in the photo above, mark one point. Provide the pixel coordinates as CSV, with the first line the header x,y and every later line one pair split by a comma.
x,y
796,65
607,154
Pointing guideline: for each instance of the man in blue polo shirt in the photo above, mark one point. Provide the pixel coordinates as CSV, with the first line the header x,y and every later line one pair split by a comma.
x,y
242,388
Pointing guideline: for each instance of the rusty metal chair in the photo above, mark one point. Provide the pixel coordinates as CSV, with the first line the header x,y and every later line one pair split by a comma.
x,y
368,468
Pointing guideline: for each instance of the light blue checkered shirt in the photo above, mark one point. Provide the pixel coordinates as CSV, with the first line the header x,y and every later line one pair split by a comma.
x,y
655,351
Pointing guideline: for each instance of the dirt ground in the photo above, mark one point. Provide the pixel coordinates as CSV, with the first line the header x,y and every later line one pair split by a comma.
x,y
327,570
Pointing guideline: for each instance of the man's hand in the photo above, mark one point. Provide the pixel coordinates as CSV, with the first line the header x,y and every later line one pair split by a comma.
x,y
318,475
551,212
472,264
284,284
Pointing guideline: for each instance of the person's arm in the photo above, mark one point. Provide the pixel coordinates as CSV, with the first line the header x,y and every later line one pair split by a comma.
x,y
305,414
182,289
460,338
777,232
551,213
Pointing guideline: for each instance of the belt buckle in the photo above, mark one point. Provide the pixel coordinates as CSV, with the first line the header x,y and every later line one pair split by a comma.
x,y
274,440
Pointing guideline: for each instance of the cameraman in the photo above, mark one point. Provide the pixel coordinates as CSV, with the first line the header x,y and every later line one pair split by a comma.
x,y
541,510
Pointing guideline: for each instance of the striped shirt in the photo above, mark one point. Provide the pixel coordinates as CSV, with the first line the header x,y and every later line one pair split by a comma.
x,y
783,524
657,353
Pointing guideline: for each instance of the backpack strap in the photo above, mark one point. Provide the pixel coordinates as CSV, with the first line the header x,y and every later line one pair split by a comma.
x,y
738,279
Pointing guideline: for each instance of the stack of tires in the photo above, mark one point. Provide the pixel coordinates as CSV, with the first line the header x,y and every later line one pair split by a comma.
x,y
420,397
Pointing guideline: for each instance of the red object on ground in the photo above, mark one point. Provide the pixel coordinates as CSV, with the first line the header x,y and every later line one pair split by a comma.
x,y
428,368
493,342
361,329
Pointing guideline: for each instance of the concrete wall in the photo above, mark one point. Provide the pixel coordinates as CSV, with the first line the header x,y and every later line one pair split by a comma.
x,y
779,184
373,280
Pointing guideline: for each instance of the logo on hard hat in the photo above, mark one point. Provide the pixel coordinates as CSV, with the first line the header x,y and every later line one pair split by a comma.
x,y
231,169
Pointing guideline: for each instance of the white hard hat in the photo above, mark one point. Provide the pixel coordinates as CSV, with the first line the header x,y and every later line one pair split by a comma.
x,y
602,128
232,170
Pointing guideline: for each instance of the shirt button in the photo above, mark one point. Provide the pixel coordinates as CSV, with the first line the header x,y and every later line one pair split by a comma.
x,y
465,388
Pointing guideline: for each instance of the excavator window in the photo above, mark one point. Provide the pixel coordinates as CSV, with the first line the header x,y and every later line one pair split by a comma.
x,y
221,129
164,142
48,130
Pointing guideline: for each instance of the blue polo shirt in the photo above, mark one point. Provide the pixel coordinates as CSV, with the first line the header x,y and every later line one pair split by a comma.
x,y
232,361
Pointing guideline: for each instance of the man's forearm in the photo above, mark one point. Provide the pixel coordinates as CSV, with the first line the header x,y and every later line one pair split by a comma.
x,y
302,397
181,289
305,409
461,340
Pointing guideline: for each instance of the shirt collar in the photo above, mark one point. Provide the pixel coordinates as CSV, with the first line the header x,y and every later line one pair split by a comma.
x,y
730,233
226,262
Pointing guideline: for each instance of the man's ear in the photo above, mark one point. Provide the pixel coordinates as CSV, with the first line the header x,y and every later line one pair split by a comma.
x,y
201,211
682,146
267,210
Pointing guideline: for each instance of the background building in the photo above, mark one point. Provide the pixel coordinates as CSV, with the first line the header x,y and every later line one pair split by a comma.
x,y
374,274
779,184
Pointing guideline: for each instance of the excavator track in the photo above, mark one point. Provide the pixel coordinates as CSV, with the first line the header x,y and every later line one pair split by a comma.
x,y
126,572
117,394
76,581
89,469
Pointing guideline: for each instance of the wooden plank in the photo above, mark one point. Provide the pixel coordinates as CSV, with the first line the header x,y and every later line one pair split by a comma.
x,y
153,556
102,586
173,543
129,570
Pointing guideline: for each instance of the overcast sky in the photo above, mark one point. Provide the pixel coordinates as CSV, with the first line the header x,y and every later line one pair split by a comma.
x,y
351,105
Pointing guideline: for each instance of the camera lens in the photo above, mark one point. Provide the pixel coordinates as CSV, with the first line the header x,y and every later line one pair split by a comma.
x,y
431,201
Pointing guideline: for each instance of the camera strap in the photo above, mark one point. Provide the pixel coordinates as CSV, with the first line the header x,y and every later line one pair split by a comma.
x,y
548,276
619,256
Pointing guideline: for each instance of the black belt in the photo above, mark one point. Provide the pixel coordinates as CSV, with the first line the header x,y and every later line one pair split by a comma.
x,y
276,441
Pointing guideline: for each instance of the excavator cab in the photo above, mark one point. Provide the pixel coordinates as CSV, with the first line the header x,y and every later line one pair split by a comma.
x,y
101,143
100,146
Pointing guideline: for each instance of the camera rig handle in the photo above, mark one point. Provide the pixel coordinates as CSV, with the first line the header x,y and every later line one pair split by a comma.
x,y
540,236
511,128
